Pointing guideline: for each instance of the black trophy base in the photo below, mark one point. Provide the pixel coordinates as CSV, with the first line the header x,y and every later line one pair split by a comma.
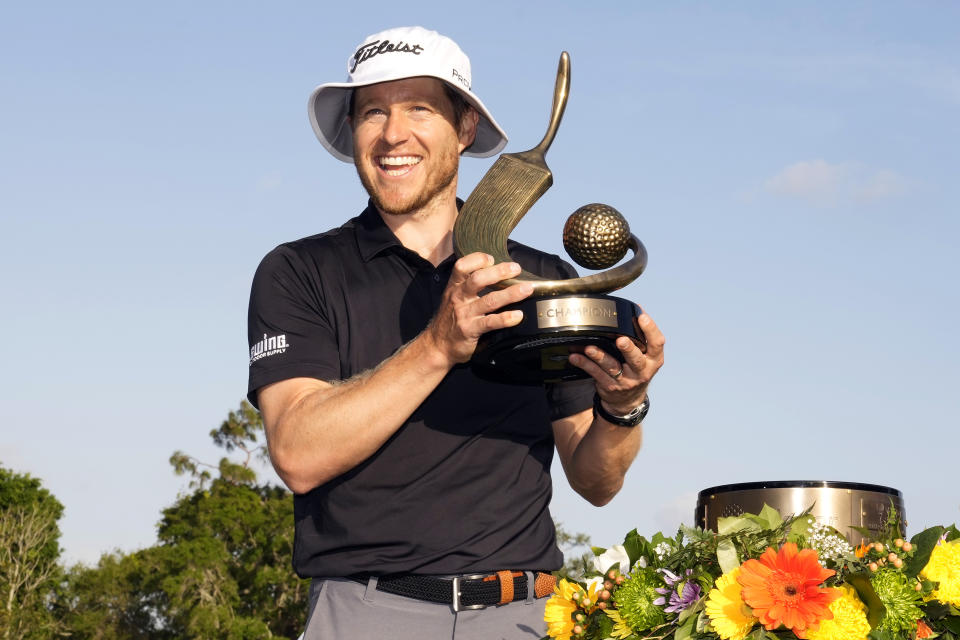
x,y
537,350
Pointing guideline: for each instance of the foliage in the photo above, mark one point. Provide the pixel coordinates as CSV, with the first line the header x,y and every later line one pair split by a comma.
x,y
760,577
239,432
576,553
221,566
29,550
118,599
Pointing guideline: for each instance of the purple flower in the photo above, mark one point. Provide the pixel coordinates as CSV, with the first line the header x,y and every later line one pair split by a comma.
x,y
683,593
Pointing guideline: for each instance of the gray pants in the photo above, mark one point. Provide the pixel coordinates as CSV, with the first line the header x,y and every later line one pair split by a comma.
x,y
341,608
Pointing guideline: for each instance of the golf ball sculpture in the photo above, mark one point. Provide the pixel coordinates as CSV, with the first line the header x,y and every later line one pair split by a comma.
x,y
596,236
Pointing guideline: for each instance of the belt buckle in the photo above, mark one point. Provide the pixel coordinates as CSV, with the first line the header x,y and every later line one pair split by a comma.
x,y
456,592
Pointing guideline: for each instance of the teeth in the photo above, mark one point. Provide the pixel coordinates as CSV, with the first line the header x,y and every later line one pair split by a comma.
x,y
399,161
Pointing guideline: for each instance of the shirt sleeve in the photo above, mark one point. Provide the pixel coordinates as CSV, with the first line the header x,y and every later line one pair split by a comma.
x,y
288,329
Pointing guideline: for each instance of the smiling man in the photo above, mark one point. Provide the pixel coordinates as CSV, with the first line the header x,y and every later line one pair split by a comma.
x,y
421,491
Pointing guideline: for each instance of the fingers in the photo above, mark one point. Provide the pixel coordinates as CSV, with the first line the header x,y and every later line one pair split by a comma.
x,y
466,265
475,272
653,337
622,386
608,372
467,312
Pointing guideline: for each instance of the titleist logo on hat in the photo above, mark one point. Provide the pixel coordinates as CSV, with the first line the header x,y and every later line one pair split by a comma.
x,y
377,47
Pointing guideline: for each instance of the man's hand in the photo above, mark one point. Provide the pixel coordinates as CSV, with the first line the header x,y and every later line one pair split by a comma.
x,y
623,388
465,314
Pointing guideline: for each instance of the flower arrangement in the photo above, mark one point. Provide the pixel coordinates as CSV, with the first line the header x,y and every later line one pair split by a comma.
x,y
761,577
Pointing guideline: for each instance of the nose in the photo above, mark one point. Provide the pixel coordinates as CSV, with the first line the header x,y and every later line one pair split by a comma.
x,y
396,129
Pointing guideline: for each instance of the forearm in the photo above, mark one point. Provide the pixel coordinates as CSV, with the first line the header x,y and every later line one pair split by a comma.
x,y
596,453
329,429
600,458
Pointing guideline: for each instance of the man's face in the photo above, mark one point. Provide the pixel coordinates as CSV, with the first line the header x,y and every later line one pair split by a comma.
x,y
406,146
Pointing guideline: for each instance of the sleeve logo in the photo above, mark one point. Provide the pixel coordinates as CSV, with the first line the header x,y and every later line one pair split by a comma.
x,y
269,346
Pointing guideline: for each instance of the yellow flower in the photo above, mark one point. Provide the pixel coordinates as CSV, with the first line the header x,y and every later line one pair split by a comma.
x,y
849,619
944,567
560,609
729,615
620,628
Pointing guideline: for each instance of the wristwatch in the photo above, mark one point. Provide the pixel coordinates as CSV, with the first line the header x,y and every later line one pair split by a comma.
x,y
632,419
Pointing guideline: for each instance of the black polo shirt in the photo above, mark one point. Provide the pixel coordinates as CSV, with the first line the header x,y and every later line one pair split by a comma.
x,y
464,485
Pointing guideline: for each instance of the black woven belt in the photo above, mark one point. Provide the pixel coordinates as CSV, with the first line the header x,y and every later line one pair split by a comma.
x,y
463,592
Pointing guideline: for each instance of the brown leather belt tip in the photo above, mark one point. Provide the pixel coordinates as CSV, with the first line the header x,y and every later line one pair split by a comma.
x,y
473,591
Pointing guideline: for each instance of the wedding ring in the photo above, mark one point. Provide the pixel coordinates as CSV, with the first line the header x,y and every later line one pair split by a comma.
x,y
617,374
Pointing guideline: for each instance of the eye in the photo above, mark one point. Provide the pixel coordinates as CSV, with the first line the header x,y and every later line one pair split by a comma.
x,y
421,111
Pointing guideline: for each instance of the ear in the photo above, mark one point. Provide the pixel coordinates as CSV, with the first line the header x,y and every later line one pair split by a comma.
x,y
468,128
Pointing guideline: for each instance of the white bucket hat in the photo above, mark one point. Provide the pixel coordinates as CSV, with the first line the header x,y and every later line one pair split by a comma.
x,y
394,54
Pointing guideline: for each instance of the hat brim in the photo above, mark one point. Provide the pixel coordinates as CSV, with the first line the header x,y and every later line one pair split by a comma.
x,y
329,105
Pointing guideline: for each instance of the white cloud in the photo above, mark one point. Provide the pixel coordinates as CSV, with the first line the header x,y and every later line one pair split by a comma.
x,y
816,180
823,183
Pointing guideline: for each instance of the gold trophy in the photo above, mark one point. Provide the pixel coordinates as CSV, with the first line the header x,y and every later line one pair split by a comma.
x,y
562,316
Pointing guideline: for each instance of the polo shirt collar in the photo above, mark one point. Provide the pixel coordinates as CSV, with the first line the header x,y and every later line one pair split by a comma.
x,y
374,236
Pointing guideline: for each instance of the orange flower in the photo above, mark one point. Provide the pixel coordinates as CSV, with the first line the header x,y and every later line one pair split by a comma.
x,y
861,549
923,631
783,588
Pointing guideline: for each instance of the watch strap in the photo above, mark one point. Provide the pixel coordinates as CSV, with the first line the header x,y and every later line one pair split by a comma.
x,y
632,419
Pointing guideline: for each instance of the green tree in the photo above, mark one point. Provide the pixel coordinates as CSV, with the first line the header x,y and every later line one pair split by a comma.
x,y
577,557
221,568
29,551
118,599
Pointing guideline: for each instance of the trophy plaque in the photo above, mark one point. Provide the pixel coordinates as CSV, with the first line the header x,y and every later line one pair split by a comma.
x,y
562,316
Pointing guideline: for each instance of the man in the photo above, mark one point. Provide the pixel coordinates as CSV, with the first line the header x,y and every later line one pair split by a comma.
x,y
409,472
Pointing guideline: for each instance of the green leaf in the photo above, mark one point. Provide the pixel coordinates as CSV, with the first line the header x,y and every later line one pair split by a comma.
x,y
799,527
936,610
879,634
692,610
875,608
685,631
735,524
770,517
635,544
757,634
952,623
924,542
727,556
703,621
604,626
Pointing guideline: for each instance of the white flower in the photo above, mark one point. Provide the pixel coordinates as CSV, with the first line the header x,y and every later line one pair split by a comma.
x,y
615,555
663,549
596,581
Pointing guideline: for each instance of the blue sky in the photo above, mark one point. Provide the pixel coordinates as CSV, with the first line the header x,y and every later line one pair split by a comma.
x,y
791,169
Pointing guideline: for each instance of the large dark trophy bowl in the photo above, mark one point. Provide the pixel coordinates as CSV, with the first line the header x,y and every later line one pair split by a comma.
x,y
562,316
